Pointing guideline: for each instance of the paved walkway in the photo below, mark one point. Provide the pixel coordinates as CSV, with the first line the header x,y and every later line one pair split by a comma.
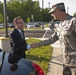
x,y
55,65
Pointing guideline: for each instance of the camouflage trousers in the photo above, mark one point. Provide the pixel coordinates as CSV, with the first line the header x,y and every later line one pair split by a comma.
x,y
69,58
70,61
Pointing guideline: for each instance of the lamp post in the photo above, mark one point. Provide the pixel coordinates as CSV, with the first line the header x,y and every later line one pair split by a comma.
x,y
67,9
49,6
42,14
5,18
32,17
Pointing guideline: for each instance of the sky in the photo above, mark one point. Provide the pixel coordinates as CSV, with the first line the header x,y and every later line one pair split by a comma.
x,y
70,5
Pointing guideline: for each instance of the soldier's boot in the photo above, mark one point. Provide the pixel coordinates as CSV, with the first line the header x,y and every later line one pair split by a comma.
x,y
67,71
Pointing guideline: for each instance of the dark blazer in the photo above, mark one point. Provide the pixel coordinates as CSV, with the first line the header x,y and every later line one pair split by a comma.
x,y
18,44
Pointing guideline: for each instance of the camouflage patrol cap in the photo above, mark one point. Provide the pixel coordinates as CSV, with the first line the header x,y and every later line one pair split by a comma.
x,y
57,6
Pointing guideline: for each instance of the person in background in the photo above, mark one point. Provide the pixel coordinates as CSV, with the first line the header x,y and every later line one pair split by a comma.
x,y
65,32
17,39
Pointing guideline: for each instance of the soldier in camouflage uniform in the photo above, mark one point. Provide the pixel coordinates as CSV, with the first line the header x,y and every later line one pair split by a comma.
x,y
66,33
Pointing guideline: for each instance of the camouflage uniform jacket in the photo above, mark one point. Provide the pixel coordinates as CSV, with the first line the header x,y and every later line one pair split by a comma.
x,y
66,33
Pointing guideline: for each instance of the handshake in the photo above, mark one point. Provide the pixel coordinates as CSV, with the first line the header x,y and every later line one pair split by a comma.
x,y
34,45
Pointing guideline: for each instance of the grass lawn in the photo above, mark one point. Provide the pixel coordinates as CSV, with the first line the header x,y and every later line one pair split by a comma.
x,y
40,55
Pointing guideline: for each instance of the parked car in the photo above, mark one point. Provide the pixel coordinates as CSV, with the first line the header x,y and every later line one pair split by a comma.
x,y
54,24
32,24
2,25
57,24
13,65
11,25
37,24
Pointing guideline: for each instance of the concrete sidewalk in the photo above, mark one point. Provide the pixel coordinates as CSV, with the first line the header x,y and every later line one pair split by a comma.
x,y
56,62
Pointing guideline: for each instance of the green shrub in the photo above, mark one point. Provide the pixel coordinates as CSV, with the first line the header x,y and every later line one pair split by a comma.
x,y
40,55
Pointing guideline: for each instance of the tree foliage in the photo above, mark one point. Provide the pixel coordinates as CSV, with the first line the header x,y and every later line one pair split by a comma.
x,y
25,9
1,18
28,19
74,14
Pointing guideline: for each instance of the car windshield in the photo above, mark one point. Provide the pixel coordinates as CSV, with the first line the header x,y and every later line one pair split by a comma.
x,y
31,23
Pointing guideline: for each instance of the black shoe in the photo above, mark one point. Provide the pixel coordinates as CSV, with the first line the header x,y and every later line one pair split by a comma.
x,y
67,71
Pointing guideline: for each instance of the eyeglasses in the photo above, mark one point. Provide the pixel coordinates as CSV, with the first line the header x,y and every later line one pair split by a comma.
x,y
20,23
